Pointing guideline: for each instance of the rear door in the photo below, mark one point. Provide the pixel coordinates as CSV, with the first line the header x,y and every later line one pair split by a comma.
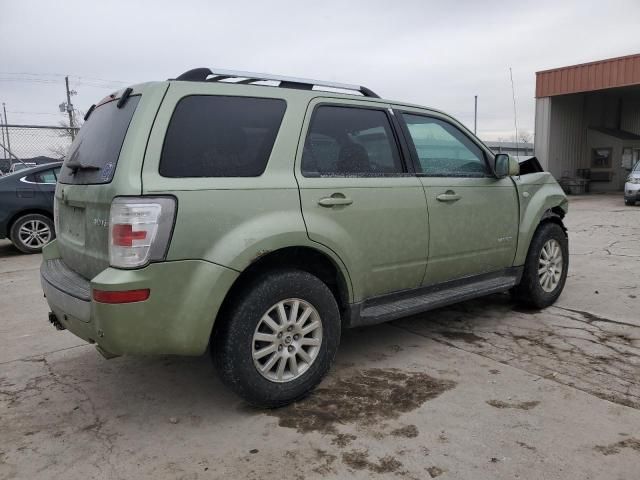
x,y
473,216
358,196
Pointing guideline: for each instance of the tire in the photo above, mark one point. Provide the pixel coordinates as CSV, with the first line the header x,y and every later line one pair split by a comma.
x,y
234,344
629,203
532,290
22,230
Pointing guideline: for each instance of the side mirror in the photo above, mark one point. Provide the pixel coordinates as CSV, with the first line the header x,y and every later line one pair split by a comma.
x,y
505,166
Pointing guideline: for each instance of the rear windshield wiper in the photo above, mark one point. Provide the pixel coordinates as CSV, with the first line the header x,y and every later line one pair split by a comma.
x,y
75,166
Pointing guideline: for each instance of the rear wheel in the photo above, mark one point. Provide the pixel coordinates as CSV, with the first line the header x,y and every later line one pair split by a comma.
x,y
545,270
31,232
278,338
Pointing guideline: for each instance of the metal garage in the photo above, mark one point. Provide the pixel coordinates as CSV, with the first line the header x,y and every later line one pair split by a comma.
x,y
588,121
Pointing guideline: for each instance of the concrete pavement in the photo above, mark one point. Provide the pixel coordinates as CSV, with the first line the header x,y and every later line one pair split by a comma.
x,y
480,390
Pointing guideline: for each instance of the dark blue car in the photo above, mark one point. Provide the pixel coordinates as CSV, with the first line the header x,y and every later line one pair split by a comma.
x,y
26,206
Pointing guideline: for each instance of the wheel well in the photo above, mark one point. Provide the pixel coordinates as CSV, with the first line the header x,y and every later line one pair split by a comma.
x,y
301,258
22,213
555,215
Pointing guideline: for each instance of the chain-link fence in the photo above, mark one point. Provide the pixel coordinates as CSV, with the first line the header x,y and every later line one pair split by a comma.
x,y
33,144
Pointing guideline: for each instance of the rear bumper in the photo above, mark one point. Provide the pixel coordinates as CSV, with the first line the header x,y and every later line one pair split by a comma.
x,y
177,318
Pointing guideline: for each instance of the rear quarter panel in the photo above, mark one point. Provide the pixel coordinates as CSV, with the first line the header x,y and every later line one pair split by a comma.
x,y
18,197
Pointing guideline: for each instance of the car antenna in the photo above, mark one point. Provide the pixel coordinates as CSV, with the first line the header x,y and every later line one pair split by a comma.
x,y
515,113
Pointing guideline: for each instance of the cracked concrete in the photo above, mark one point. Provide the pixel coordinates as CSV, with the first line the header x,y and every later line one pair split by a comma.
x,y
551,394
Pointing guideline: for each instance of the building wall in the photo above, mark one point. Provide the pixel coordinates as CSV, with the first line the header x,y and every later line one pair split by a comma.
x,y
542,130
567,135
630,117
562,126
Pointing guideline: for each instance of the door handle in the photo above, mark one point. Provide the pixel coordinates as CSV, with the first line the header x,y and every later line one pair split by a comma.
x,y
448,196
337,199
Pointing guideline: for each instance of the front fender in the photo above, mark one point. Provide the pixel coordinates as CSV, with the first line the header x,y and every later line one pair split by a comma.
x,y
537,197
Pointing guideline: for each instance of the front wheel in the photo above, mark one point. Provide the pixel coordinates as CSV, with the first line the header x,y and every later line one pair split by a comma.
x,y
278,338
629,203
31,232
545,269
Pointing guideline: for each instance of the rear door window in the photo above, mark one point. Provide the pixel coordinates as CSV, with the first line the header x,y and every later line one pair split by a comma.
x,y
95,151
350,141
221,136
46,176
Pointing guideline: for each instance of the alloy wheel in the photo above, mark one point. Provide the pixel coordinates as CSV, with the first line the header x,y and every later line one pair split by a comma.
x,y
550,265
34,234
287,340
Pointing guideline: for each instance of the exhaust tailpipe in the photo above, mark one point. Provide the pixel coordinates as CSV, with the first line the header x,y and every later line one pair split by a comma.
x,y
55,322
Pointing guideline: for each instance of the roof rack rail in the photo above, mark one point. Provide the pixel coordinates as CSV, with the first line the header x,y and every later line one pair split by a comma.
x,y
247,78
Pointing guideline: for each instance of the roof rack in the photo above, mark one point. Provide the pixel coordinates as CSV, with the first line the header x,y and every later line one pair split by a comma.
x,y
247,78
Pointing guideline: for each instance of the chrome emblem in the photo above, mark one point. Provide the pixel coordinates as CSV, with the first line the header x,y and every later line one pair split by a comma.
x,y
100,222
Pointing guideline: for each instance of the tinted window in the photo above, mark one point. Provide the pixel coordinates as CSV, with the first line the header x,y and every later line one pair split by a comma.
x,y
350,141
442,149
98,144
214,136
46,176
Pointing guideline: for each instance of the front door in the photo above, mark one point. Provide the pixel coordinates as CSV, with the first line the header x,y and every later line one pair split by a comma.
x,y
358,197
473,216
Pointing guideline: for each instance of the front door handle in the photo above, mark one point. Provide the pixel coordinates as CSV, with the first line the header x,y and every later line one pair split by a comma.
x,y
337,199
448,196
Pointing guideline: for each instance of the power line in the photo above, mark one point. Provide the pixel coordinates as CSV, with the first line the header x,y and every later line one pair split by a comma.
x,y
81,77
33,113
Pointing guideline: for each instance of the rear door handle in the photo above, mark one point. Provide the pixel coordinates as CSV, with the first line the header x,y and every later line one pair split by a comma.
x,y
448,196
334,200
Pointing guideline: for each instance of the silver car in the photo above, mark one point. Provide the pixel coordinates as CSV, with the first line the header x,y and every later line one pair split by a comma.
x,y
632,186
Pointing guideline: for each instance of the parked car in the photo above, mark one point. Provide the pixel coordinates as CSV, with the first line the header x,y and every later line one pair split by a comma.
x,y
261,219
632,186
16,167
26,206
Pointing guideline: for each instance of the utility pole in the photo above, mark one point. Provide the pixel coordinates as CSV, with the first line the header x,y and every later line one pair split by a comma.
x,y
6,126
4,154
69,110
475,115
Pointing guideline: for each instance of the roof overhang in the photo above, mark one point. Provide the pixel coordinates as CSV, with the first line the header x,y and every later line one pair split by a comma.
x,y
589,77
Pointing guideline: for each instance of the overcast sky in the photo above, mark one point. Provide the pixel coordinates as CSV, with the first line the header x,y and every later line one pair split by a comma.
x,y
438,54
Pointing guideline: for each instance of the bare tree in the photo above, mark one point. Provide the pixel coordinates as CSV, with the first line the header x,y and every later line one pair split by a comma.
x,y
68,134
525,136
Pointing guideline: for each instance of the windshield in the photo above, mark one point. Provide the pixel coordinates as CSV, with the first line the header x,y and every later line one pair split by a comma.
x,y
93,156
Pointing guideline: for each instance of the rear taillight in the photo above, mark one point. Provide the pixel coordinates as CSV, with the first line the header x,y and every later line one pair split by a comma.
x,y
139,230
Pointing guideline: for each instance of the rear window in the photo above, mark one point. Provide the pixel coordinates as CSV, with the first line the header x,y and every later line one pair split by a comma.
x,y
218,136
96,149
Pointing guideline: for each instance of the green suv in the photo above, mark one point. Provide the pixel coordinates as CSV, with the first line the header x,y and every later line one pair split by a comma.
x,y
259,215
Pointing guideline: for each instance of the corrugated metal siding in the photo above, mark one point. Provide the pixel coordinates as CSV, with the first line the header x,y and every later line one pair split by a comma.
x,y
566,135
630,116
610,73
542,129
